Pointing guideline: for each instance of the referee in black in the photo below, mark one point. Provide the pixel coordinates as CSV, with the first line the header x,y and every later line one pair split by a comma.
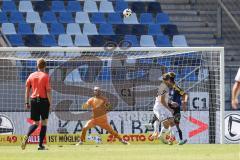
x,y
39,84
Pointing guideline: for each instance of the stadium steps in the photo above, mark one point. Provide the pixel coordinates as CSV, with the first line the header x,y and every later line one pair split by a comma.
x,y
182,12
232,56
201,41
197,30
194,24
175,7
184,18
212,4
231,36
174,1
196,36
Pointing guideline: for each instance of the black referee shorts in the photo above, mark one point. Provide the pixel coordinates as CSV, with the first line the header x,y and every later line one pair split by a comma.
x,y
39,109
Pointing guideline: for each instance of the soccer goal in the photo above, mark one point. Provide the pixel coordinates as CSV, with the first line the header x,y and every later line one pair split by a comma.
x,y
129,78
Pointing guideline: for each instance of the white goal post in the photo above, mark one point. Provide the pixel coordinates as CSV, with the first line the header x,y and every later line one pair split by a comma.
x,y
129,78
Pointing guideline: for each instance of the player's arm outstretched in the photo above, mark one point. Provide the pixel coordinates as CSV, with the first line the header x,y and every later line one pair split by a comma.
x,y
87,104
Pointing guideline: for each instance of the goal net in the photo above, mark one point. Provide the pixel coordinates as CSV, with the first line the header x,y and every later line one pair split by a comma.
x,y
129,79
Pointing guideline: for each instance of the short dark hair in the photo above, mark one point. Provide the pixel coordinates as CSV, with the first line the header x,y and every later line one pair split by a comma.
x,y
41,63
172,76
169,76
166,76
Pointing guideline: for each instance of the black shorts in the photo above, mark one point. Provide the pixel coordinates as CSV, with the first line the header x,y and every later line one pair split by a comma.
x,y
39,109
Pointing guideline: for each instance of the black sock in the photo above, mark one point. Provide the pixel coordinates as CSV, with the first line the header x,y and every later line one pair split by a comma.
x,y
42,134
153,119
31,129
180,133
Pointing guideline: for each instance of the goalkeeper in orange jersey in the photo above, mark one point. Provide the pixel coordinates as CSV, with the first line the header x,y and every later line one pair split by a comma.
x,y
100,107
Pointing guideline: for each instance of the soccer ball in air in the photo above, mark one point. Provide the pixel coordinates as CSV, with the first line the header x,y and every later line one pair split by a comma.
x,y
127,12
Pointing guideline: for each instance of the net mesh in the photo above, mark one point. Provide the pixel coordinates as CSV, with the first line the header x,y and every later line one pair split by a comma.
x,y
129,79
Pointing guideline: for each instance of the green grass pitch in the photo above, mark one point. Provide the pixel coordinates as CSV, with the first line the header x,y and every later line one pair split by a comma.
x,y
123,152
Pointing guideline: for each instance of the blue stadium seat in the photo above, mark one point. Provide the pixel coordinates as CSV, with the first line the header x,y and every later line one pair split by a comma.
x,y
65,40
98,18
154,29
162,18
82,17
49,17
139,29
58,6
146,18
179,41
57,28
31,63
24,29
131,20
162,41
132,39
66,17
138,7
48,41
90,6
15,40
73,76
106,7
8,28
192,76
81,41
154,7
170,29
123,29
40,6
73,6
97,41
16,17
105,74
106,29
113,38
120,6
32,41
40,29
73,29
89,29
3,17
8,6
164,61
114,18
33,17
146,41
25,6
146,60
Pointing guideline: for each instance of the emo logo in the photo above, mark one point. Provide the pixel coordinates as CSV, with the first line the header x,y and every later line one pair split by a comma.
x,y
232,127
6,125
